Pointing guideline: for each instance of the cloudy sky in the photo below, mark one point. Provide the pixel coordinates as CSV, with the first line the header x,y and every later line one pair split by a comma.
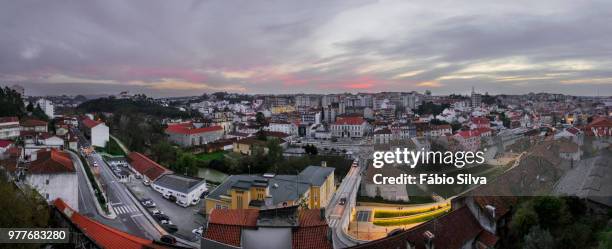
x,y
172,48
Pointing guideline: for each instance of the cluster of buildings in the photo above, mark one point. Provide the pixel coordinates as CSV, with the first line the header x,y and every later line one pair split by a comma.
x,y
312,188
34,153
462,122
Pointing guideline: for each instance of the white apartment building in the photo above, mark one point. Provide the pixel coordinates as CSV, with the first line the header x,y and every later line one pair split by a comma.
x,y
9,127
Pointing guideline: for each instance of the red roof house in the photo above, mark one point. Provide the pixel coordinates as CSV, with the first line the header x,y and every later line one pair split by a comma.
x,y
104,236
227,225
89,123
8,120
52,161
600,126
353,120
188,128
146,166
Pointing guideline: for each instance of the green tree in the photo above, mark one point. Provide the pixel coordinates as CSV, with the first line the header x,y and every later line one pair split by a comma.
x,y
186,164
30,107
275,151
551,211
11,103
524,218
163,152
22,209
260,119
39,113
538,238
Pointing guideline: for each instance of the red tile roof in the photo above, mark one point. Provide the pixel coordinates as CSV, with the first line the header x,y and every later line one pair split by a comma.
x,y
225,226
104,236
5,143
487,238
450,231
276,134
14,152
349,121
8,119
188,129
238,217
51,161
573,130
226,234
312,232
87,122
9,164
32,123
146,166
473,133
480,120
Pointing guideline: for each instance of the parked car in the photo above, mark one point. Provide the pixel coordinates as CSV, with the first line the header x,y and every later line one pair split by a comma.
x,y
95,164
138,176
182,203
171,228
204,194
342,201
198,231
146,182
156,211
161,217
167,195
195,201
168,239
149,204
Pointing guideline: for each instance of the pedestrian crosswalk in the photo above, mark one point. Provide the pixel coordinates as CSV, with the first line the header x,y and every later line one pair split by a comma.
x,y
125,209
332,222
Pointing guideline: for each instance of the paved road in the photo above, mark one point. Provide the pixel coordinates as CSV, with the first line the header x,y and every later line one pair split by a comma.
x,y
125,207
337,213
129,218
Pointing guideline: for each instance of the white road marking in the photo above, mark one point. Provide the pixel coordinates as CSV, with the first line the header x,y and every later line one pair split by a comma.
x,y
124,209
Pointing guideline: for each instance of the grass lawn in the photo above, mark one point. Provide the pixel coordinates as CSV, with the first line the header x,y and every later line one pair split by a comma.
x,y
112,148
210,156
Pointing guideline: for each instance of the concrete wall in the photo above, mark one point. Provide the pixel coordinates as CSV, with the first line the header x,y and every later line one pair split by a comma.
x,y
188,140
63,186
264,237
99,135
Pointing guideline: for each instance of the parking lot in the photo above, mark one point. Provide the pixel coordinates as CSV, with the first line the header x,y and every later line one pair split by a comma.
x,y
186,219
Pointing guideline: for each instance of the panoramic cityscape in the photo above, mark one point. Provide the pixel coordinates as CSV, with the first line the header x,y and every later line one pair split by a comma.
x,y
287,124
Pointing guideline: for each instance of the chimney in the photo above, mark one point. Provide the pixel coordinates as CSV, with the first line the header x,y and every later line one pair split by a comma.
x,y
322,213
323,163
428,239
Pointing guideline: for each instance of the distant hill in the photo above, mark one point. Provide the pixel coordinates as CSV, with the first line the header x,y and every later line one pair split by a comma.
x,y
140,104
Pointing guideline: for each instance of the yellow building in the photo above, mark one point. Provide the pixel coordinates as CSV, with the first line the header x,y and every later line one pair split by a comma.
x,y
312,188
282,109
247,146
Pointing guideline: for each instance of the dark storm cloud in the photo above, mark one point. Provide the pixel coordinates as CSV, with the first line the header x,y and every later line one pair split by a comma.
x,y
188,47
